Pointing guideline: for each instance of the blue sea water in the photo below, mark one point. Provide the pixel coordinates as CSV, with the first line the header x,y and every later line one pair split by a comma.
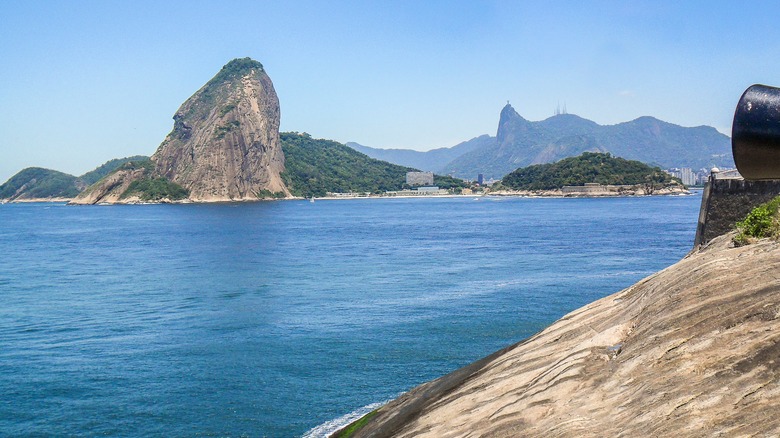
x,y
269,319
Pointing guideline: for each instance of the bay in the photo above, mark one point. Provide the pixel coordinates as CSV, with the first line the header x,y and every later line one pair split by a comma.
x,y
269,319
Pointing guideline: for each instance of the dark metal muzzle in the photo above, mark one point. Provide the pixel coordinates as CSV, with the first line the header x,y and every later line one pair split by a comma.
x,y
755,134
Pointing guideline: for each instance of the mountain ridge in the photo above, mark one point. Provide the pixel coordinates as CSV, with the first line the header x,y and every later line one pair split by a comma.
x,y
428,161
520,142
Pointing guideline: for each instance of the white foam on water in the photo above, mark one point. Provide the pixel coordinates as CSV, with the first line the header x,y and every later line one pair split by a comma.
x,y
325,429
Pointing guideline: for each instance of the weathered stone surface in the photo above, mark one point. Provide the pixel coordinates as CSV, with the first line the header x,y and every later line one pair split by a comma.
x,y
225,141
693,350
110,189
224,145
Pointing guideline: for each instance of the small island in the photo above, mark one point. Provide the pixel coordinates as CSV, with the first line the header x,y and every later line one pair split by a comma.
x,y
592,174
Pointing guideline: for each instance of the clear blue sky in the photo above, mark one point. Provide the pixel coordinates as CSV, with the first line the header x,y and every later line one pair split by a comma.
x,y
82,82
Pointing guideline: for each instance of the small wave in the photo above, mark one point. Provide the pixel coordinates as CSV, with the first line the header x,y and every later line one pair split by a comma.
x,y
325,429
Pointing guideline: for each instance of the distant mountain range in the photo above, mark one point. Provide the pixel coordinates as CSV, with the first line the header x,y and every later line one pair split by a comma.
x,y
519,143
431,161
225,145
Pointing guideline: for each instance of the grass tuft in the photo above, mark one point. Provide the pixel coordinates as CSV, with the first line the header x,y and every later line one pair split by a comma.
x,y
357,425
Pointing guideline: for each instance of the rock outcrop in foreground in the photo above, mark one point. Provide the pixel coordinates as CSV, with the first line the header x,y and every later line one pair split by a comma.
x,y
693,350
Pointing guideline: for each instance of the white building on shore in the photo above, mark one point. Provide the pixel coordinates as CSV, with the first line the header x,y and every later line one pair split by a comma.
x,y
419,178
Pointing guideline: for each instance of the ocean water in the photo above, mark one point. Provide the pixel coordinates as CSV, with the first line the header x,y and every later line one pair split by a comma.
x,y
277,318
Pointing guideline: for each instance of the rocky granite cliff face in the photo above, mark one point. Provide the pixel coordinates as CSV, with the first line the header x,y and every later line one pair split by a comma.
x,y
225,139
224,145
693,350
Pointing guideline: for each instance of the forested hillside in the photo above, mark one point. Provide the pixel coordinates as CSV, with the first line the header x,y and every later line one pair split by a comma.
x,y
590,167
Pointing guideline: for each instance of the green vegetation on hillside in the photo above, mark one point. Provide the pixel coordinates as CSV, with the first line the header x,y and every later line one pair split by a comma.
x,y
267,194
314,167
226,109
156,189
221,130
590,167
763,221
37,182
236,69
232,71
146,164
151,188
94,176
448,182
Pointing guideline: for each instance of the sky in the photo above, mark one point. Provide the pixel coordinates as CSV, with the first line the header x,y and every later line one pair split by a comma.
x,y
82,82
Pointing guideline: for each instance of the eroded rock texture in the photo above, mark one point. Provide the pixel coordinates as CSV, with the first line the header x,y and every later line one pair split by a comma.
x,y
225,140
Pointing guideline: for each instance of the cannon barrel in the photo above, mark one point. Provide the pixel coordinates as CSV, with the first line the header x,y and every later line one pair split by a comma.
x,y
755,133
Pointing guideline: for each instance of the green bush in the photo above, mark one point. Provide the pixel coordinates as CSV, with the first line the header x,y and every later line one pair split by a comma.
x,y
147,165
267,194
156,189
220,131
761,222
226,109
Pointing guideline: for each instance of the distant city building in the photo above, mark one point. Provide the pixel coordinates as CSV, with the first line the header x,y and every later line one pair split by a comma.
x,y
419,178
687,176
702,176
480,179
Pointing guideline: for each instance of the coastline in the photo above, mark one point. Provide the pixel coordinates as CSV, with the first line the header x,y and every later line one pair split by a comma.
x,y
500,193
559,193
519,194
35,200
